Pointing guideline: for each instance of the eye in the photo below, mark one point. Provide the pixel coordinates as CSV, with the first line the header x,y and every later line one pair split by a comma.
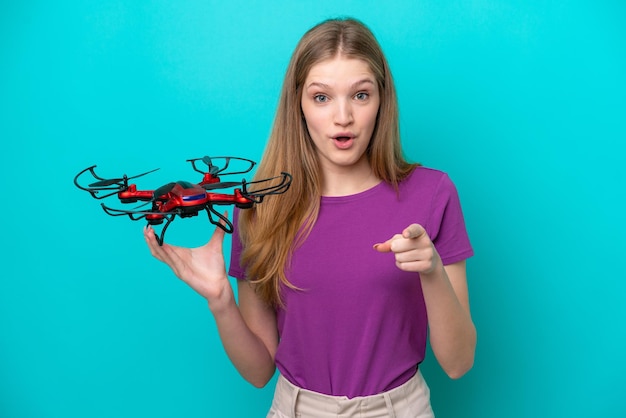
x,y
361,96
320,98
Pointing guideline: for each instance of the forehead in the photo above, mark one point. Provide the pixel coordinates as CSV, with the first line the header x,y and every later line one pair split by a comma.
x,y
339,69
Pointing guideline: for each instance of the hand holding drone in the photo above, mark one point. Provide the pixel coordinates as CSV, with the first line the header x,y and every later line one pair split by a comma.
x,y
184,198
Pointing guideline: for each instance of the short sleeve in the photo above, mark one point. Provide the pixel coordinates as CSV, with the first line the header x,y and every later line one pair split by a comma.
x,y
446,226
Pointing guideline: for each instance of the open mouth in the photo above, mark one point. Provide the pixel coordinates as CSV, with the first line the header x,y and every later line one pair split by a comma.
x,y
343,141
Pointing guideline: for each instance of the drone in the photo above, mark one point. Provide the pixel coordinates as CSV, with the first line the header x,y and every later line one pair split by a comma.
x,y
186,199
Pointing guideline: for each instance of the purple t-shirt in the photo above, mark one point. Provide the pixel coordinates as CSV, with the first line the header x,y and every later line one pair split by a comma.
x,y
359,326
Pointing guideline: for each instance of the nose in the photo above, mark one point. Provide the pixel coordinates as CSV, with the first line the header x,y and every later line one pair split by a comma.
x,y
343,113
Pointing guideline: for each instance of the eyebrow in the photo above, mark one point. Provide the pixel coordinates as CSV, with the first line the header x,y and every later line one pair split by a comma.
x,y
353,86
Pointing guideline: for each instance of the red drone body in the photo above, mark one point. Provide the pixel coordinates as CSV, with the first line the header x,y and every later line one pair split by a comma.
x,y
187,199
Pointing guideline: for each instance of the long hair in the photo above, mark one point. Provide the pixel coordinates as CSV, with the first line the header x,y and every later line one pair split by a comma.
x,y
272,230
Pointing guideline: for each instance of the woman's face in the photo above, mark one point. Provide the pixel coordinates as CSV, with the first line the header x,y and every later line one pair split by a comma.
x,y
340,102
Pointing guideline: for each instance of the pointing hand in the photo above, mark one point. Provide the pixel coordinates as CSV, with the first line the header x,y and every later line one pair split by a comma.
x,y
413,249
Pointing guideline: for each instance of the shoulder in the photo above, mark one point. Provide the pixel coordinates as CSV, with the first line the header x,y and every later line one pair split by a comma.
x,y
430,188
427,179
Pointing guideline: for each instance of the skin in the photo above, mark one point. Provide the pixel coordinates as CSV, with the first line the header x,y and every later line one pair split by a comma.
x,y
340,99
248,330
452,332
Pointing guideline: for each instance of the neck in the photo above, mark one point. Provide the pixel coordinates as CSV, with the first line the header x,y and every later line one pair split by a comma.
x,y
349,180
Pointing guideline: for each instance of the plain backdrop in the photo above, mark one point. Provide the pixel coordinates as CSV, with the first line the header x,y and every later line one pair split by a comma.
x,y
523,103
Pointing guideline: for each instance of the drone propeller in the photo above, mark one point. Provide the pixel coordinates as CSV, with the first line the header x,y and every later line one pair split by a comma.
x,y
243,166
104,183
213,169
112,185
110,182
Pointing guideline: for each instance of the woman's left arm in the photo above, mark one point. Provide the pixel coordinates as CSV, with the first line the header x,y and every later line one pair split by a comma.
x,y
452,332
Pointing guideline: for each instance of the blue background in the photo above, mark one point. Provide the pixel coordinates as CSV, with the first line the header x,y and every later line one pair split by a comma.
x,y
523,103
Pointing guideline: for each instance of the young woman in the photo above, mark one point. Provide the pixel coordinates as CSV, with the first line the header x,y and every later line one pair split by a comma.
x,y
340,278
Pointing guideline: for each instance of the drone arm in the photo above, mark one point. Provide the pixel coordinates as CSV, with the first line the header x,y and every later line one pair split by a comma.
x,y
132,194
237,198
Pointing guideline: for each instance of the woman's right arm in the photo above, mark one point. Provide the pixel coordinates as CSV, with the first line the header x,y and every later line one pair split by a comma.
x,y
248,330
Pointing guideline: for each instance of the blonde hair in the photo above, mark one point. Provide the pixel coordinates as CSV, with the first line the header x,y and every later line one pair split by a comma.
x,y
272,230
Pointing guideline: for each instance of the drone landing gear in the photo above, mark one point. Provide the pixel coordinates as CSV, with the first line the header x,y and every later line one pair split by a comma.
x,y
221,221
169,219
